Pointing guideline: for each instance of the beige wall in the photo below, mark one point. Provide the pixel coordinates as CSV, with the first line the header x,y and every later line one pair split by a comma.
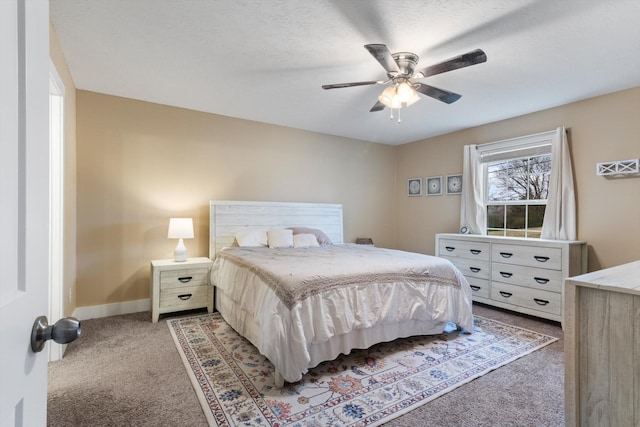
x,y
139,164
601,129
69,178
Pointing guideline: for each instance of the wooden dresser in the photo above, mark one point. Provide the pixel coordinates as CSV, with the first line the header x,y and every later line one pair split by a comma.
x,y
523,275
602,347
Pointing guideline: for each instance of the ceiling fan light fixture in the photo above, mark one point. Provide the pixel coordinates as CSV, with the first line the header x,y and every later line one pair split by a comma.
x,y
414,98
387,96
405,92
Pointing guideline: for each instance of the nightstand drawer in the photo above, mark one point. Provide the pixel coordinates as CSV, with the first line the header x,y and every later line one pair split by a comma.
x,y
187,277
548,280
535,299
532,256
184,298
464,249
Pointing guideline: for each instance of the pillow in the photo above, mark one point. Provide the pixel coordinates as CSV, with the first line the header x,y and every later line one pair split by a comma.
x,y
280,238
322,238
304,240
251,238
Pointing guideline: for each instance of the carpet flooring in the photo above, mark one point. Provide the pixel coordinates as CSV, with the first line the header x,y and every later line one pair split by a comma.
x,y
126,371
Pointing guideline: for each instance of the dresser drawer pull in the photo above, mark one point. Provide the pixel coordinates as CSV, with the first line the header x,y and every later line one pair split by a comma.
x,y
505,294
475,269
185,279
475,251
506,254
474,288
185,297
505,274
541,258
541,301
450,248
541,280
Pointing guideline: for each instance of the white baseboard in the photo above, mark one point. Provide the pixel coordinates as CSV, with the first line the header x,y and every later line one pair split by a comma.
x,y
106,310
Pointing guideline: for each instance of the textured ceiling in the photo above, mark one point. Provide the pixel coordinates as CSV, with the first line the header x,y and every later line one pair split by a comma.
x,y
265,60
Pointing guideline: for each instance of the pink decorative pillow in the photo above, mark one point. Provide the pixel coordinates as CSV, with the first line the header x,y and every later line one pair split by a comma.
x,y
322,238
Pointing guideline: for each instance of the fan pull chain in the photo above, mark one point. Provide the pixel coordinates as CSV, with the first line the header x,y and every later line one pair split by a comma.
x,y
399,117
391,116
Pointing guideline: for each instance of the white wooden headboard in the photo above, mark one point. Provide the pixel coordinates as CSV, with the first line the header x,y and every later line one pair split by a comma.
x,y
228,217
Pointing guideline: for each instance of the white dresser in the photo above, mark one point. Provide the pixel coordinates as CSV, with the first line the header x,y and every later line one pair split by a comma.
x,y
518,274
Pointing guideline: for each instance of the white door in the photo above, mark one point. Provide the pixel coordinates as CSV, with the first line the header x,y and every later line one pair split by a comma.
x,y
24,207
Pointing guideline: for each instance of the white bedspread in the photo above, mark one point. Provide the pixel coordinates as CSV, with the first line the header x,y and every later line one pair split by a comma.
x,y
304,297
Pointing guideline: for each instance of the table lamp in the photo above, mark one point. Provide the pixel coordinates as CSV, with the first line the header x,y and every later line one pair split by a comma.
x,y
180,228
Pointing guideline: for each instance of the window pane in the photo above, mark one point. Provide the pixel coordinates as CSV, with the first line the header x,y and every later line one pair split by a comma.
x,y
539,177
508,180
516,217
495,216
536,215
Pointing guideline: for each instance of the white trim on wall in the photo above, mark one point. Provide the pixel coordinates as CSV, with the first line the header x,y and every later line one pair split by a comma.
x,y
114,309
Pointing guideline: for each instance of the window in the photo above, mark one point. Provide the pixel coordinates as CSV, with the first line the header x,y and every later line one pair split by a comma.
x,y
516,176
516,196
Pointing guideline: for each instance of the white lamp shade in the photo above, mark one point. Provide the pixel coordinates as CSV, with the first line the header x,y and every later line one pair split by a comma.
x,y
180,228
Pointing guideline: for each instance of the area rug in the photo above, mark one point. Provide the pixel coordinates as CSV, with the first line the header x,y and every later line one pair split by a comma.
x,y
235,384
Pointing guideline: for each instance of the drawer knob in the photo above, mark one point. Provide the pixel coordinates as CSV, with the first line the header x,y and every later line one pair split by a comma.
x,y
474,288
475,251
541,301
475,269
505,274
505,294
185,279
450,248
506,254
184,297
541,280
541,258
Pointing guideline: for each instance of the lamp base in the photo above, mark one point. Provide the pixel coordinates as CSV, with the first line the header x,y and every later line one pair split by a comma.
x,y
180,253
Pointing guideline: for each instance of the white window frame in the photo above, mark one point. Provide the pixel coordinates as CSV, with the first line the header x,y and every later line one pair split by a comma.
x,y
512,149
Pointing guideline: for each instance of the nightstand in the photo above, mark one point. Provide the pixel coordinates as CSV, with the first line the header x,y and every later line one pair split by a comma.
x,y
178,286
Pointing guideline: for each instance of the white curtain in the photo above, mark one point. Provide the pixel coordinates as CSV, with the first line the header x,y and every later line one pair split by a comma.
x,y
560,214
472,211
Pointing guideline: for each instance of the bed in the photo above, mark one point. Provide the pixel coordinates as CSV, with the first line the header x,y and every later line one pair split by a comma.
x,y
307,304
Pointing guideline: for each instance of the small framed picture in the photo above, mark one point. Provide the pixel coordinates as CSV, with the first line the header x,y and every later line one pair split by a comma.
x,y
454,184
414,187
434,185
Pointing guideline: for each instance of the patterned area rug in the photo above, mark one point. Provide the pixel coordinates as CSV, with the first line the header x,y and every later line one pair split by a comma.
x,y
235,385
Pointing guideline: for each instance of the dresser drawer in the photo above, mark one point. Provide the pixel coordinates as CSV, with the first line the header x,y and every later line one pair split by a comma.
x,y
539,278
532,256
184,298
535,299
188,277
479,287
470,267
464,249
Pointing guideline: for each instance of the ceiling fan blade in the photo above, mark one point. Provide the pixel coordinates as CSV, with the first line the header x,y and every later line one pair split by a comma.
x,y
470,58
340,85
439,94
383,56
378,106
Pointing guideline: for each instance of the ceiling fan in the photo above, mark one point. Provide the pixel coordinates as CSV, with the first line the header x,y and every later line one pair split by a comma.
x,y
403,77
